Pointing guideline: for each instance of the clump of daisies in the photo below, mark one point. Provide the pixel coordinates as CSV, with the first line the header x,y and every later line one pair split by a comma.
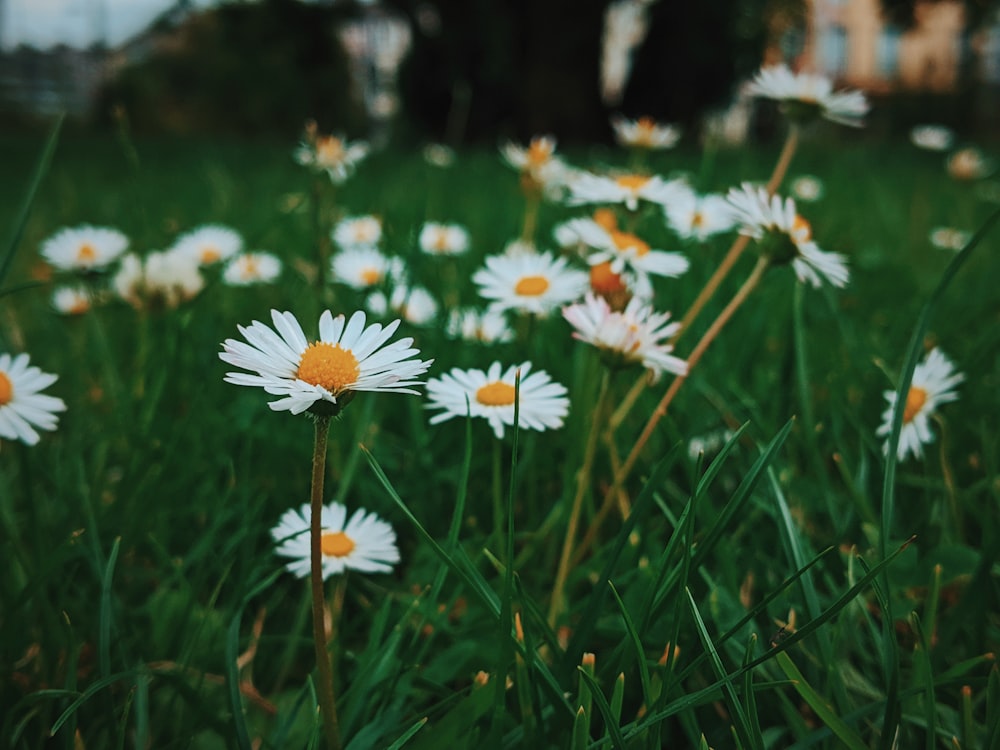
x,y
24,409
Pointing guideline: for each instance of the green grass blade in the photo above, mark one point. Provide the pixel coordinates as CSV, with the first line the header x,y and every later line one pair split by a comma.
x,y
104,619
405,737
617,740
87,694
633,635
820,707
924,672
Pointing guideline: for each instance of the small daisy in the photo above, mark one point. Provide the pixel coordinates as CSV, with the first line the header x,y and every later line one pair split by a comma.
x,y
412,303
443,239
932,137
785,236
627,189
803,96
535,283
364,267
364,542
84,248
644,133
322,375
538,164
69,300
636,335
807,188
252,268
160,280
542,403
486,327
22,407
329,153
439,155
209,244
627,252
949,238
969,164
698,217
933,383
357,231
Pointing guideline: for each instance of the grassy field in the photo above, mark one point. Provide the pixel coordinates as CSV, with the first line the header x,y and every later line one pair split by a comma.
x,y
142,605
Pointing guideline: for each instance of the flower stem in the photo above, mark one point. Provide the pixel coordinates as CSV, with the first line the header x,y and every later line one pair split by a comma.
x,y
327,703
533,200
582,482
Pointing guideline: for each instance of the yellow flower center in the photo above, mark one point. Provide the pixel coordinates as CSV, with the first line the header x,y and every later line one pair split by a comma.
x,y
6,389
371,276
644,130
915,400
606,219
210,254
336,544
801,229
632,182
86,253
625,241
329,150
250,268
539,152
697,221
79,306
496,394
531,286
440,240
605,281
329,366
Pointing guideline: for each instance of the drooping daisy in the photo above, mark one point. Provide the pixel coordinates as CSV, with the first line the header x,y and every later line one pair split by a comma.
x,y
933,383
413,303
949,238
322,375
627,252
364,542
932,137
804,96
252,268
644,133
443,239
209,244
538,164
71,300
627,189
23,409
357,231
84,248
329,153
160,280
785,236
542,403
485,327
635,336
364,267
969,164
698,217
535,283
807,188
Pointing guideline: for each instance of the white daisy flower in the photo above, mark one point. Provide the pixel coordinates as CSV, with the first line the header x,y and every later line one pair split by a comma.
x,y
949,238
636,335
84,248
322,375
443,239
785,236
439,155
933,384
160,280
807,188
626,252
413,303
209,244
540,168
364,267
487,327
932,137
627,189
969,164
698,217
805,95
69,300
364,542
357,231
542,403
644,133
535,283
23,410
252,268
329,153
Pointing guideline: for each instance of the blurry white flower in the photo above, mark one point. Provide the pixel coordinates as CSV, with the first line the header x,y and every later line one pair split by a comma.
x,y
252,268
71,300
160,280
84,248
627,252
486,327
626,24
439,155
694,216
364,267
969,164
949,238
414,304
627,189
803,96
443,239
540,168
357,231
23,409
529,282
708,443
644,133
807,188
208,244
329,153
932,137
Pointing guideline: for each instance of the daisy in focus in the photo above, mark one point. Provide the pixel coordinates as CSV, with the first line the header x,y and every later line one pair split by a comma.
x,y
785,236
934,380
487,327
209,244
542,403
357,231
698,217
626,252
644,133
414,304
932,137
69,300
252,268
634,336
804,96
364,267
84,248
626,189
160,280
329,153
322,375
535,283
443,239
363,542
23,409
